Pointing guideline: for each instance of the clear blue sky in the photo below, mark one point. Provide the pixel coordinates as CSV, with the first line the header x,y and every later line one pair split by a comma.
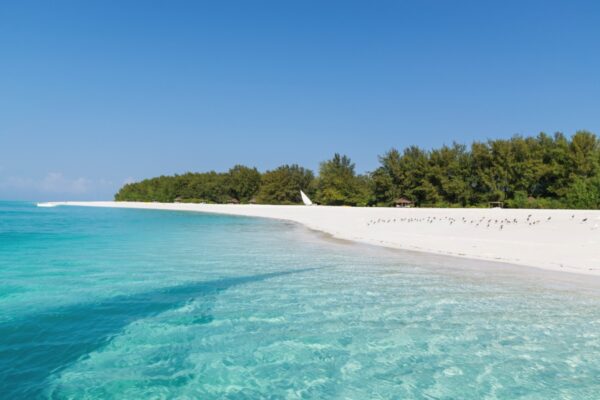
x,y
94,93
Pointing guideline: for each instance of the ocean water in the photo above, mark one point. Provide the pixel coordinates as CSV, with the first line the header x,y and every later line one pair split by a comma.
x,y
139,304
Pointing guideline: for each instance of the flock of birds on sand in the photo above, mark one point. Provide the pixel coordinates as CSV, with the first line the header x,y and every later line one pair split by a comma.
x,y
486,222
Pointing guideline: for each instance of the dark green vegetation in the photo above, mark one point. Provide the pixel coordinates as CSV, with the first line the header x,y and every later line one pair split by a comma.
x,y
533,172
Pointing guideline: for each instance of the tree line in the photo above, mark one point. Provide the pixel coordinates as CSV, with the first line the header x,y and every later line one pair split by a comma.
x,y
545,171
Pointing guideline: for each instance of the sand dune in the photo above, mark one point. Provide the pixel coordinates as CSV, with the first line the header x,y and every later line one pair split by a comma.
x,y
560,240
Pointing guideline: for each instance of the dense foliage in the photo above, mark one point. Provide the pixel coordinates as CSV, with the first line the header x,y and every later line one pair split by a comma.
x,y
543,171
282,185
338,183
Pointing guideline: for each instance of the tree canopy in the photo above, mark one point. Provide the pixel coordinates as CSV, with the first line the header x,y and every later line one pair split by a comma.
x,y
338,183
283,184
545,171
242,183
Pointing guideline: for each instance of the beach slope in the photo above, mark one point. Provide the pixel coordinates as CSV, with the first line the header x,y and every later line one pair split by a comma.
x,y
559,240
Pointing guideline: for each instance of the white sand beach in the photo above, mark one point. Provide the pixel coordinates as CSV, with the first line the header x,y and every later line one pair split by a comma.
x,y
558,240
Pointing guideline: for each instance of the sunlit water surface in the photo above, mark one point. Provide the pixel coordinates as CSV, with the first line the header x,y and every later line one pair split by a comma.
x,y
135,304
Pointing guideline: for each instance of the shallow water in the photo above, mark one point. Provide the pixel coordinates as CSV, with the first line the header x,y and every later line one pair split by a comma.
x,y
127,304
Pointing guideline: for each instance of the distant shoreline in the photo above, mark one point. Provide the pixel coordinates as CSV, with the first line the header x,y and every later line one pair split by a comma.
x,y
556,240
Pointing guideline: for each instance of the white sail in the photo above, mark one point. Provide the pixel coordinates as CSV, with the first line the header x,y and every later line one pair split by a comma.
x,y
49,204
305,199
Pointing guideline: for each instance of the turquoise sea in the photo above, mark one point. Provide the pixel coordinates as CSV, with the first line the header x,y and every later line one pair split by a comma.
x,y
139,304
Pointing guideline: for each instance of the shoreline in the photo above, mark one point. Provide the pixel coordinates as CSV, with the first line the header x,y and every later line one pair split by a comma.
x,y
555,240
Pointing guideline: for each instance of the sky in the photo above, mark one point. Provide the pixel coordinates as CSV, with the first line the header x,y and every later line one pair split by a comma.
x,y
94,94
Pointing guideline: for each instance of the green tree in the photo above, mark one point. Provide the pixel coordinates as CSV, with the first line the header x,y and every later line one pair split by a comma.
x,y
388,179
584,157
283,184
584,193
243,183
338,183
384,191
449,175
543,171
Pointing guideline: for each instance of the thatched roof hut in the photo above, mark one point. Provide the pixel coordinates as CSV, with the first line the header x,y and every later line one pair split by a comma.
x,y
403,203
